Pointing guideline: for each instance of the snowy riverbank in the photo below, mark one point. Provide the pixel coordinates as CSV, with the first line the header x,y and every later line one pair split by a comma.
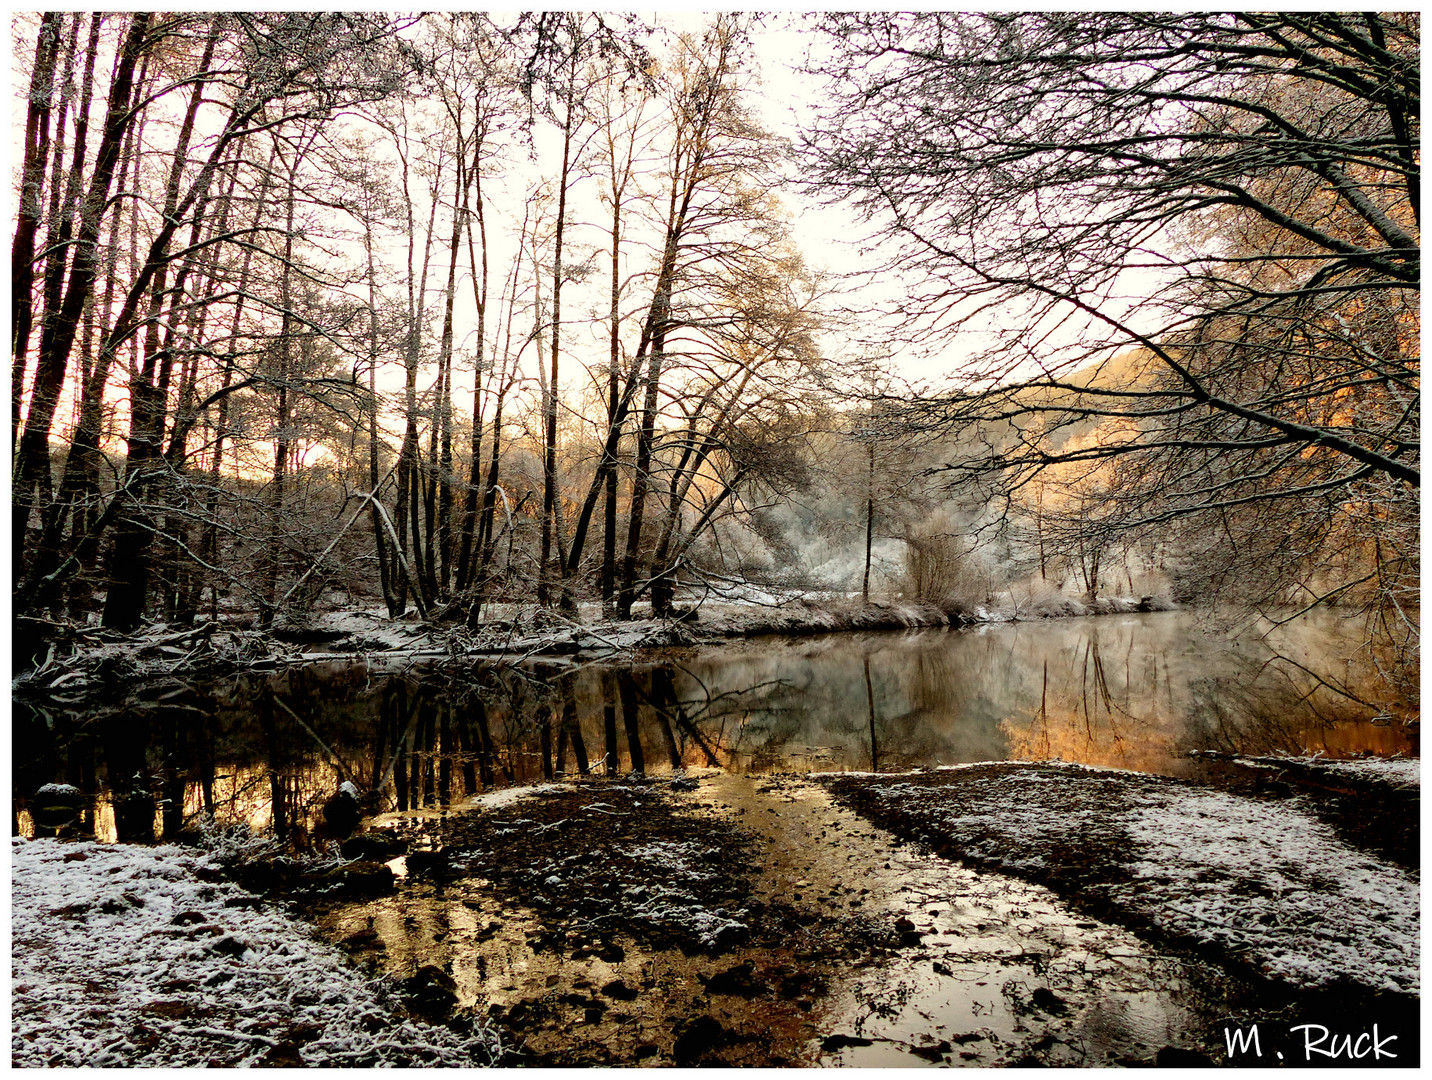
x,y
124,955
1264,881
127,955
77,657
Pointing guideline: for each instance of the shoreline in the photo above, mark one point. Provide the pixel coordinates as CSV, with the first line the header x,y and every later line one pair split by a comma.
x,y
79,658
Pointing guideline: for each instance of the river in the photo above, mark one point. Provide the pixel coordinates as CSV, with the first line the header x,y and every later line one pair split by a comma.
x,y
267,749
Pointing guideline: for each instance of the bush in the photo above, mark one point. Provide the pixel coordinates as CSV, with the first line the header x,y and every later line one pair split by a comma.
x,y
940,571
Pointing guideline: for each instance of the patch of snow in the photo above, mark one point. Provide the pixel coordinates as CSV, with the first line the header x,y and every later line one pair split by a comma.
x,y
676,908
493,800
45,791
673,856
1266,880
124,956
1402,772
1270,880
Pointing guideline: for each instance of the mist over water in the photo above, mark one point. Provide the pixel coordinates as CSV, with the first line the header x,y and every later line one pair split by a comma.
x,y
266,750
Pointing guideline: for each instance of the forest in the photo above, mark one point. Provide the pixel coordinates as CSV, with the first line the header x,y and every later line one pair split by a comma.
x,y
434,312
862,539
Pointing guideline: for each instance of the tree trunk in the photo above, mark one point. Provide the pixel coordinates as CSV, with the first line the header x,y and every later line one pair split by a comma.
x,y
58,332
549,441
27,219
645,434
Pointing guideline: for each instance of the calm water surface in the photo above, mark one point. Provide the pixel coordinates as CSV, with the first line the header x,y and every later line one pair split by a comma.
x,y
1136,692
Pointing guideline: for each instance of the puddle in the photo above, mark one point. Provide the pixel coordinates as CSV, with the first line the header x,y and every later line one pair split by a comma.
x,y
859,952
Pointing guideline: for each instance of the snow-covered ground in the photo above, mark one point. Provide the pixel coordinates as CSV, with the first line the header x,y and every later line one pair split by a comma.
x,y
1400,772
124,955
1270,880
1264,880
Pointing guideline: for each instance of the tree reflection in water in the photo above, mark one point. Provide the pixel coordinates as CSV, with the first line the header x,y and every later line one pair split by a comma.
x,y
267,750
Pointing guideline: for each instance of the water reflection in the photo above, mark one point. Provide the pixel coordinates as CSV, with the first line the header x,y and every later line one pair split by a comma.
x,y
1135,692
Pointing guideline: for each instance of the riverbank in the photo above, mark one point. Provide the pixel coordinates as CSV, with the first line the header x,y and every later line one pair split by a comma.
x,y
127,955
992,914
67,657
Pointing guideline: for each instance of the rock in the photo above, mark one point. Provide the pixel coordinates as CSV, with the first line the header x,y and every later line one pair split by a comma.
x,y
355,879
427,863
188,918
936,1052
431,992
697,1037
366,938
620,991
252,902
832,1043
736,981
228,945
909,936
379,845
54,806
1048,1001
342,812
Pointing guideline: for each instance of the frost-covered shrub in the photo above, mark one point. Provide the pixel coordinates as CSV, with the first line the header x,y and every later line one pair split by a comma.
x,y
939,568
234,844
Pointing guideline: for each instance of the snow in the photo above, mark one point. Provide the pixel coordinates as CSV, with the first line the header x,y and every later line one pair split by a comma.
x,y
125,955
1270,880
1401,772
667,906
502,797
47,790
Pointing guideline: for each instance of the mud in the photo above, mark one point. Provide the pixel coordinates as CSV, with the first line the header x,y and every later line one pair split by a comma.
x,y
731,920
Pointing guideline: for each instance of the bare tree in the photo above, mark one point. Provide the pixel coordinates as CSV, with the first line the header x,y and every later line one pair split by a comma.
x,y
1198,233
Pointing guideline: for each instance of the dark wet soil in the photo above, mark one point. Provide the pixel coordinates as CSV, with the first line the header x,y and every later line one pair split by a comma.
x,y
603,923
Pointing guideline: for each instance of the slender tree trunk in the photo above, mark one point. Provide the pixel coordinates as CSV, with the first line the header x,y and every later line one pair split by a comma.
x,y
869,523
442,430
609,518
640,482
549,441
396,602
465,565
